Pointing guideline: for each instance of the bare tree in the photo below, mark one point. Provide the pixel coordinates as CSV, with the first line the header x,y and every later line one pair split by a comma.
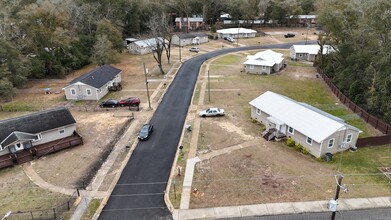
x,y
158,30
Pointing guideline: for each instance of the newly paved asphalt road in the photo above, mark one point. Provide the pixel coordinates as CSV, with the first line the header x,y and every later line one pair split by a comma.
x,y
139,192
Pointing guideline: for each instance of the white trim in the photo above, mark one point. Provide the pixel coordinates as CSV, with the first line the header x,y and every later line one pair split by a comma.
x,y
61,130
263,67
332,140
39,137
348,140
293,130
73,91
88,92
251,67
308,140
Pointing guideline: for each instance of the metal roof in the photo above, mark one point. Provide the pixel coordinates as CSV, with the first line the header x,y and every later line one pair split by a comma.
x,y
316,124
236,31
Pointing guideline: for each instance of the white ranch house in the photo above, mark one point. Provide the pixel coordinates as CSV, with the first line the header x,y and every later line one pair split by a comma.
x,y
265,62
308,52
316,130
94,84
236,33
189,39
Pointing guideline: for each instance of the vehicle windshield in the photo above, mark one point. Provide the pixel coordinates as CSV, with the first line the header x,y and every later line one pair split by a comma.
x,y
144,130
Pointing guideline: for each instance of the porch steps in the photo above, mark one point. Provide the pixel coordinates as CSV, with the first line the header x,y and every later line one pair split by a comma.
x,y
269,134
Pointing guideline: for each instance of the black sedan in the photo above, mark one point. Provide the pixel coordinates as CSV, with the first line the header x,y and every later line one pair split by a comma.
x,y
145,132
111,103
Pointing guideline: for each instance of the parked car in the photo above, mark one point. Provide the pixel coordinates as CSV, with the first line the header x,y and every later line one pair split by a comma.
x,y
109,103
230,39
288,35
194,49
145,132
132,101
212,112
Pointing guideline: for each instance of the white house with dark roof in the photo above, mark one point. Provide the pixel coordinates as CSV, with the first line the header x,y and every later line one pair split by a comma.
x,y
94,84
145,46
184,39
308,52
29,136
316,130
265,62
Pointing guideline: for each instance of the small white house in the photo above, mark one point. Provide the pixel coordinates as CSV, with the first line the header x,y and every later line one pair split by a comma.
x,y
236,33
308,52
316,130
195,38
142,47
265,62
94,84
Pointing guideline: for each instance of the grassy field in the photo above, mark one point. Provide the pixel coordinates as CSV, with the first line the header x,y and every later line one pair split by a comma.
x,y
271,171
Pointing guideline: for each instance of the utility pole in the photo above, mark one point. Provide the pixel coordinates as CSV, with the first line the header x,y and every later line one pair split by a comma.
x,y
237,39
209,85
180,49
146,84
339,182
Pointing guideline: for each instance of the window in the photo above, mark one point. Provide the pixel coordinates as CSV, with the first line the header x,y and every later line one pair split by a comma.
x,y
331,143
291,130
88,91
99,90
251,67
258,111
73,91
263,67
61,130
309,141
37,137
349,138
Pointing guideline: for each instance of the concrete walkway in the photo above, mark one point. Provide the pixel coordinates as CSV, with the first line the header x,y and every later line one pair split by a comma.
x,y
185,213
279,208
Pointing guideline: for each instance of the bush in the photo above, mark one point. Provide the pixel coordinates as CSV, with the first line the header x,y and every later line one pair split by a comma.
x,y
298,147
304,151
290,142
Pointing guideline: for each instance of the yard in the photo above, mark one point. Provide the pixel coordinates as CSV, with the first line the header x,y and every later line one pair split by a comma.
x,y
74,168
261,171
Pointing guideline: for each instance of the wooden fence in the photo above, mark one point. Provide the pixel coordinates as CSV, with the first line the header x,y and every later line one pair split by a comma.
x,y
372,120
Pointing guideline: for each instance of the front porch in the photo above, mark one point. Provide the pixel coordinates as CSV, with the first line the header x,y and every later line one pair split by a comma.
x,y
38,151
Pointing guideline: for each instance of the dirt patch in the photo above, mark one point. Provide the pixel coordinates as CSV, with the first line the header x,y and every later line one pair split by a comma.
x,y
256,175
100,131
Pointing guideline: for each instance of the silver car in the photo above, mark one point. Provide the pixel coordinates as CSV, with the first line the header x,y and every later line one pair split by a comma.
x,y
212,112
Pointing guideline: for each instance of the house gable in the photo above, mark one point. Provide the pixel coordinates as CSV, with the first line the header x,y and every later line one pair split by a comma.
x,y
23,127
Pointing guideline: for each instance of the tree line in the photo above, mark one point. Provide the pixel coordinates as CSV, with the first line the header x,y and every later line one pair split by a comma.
x,y
51,38
360,32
